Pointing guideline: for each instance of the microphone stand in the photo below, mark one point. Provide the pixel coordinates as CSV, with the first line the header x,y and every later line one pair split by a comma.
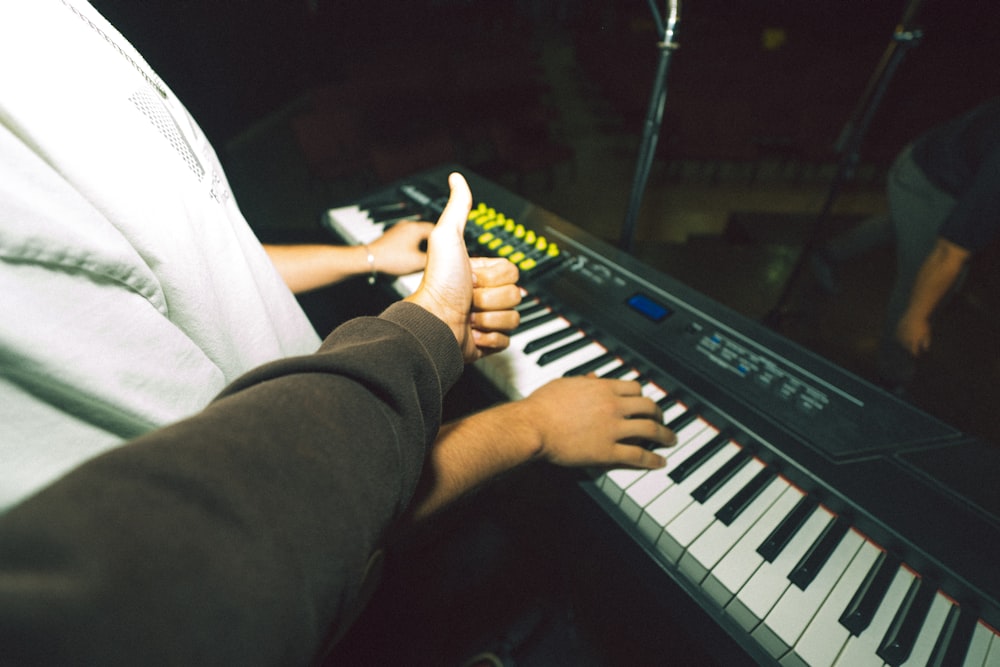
x,y
654,116
848,145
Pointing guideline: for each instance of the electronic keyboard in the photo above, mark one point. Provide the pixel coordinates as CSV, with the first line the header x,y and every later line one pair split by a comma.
x,y
817,519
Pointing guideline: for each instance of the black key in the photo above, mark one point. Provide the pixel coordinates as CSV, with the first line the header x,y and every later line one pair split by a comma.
x,y
669,400
721,476
742,498
549,339
906,624
816,556
560,352
953,642
786,530
618,372
862,607
691,463
590,366
683,420
396,211
663,404
534,322
529,308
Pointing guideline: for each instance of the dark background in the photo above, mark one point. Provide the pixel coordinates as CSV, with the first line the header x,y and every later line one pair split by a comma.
x,y
234,61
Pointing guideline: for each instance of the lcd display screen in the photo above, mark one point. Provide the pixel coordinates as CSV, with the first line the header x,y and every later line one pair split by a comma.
x,y
648,308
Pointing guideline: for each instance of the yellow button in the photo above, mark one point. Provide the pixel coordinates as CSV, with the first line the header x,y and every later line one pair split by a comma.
x,y
527,264
485,237
519,232
509,227
506,250
516,257
529,237
494,244
542,243
552,250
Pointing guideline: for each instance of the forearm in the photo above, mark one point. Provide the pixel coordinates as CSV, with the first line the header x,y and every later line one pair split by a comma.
x,y
473,450
309,267
238,536
570,422
936,277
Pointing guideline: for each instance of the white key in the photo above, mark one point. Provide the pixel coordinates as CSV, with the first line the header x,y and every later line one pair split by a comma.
x,y
709,548
522,338
527,318
739,564
654,392
674,411
512,368
993,655
753,602
824,637
923,646
556,369
860,651
979,646
608,367
408,284
675,499
697,517
354,224
646,488
796,608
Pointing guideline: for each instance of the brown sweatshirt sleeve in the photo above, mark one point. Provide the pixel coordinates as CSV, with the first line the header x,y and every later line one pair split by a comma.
x,y
240,535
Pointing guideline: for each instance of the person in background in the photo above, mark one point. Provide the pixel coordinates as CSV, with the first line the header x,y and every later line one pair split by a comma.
x,y
944,206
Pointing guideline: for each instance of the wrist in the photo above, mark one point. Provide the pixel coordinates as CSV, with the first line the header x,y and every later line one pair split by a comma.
x,y
525,422
914,315
370,263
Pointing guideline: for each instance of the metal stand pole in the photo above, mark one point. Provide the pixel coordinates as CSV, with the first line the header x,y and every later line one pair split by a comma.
x,y
654,116
848,145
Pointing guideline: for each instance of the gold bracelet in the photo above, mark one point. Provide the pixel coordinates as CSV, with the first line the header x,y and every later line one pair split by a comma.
x,y
371,265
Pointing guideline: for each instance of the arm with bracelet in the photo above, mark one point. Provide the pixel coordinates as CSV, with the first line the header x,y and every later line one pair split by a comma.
x,y
308,267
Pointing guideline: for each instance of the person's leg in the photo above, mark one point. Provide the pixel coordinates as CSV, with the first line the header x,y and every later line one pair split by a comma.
x,y
917,209
873,232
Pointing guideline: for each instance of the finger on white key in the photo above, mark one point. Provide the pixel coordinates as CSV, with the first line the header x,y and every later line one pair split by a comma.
x,y
645,489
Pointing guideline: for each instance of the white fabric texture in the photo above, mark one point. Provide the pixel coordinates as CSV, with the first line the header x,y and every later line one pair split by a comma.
x,y
131,288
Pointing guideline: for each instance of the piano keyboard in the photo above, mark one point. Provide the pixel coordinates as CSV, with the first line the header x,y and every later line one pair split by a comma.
x,y
789,508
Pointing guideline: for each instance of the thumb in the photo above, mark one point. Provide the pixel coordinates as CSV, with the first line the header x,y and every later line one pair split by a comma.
x,y
446,251
446,287
456,211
